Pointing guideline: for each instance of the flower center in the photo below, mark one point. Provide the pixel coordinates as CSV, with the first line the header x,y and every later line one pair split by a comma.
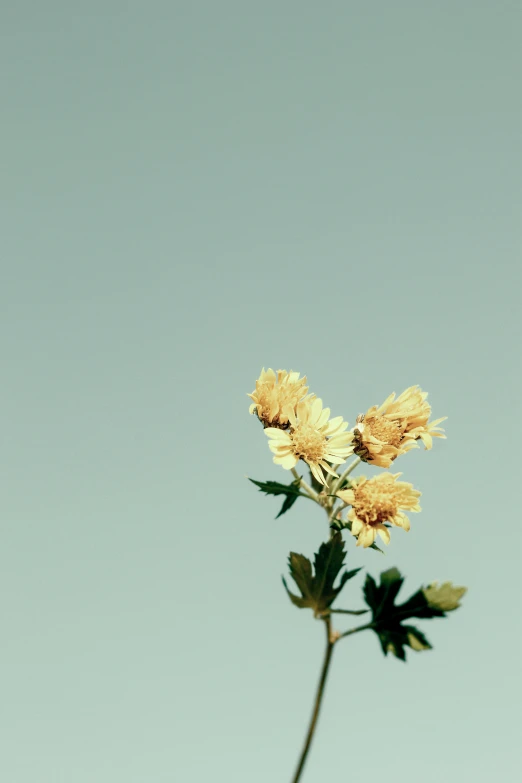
x,y
375,503
308,443
389,432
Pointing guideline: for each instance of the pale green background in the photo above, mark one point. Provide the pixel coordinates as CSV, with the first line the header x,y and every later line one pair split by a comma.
x,y
191,191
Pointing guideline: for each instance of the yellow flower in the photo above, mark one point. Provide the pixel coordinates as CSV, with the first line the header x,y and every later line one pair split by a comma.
x,y
386,431
376,501
276,396
312,437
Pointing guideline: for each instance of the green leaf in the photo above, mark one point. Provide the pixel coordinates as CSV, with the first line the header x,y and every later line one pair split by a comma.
x,y
416,639
287,505
388,617
301,573
275,488
317,589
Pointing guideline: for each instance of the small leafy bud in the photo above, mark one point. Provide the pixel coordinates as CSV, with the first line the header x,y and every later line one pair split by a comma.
x,y
445,596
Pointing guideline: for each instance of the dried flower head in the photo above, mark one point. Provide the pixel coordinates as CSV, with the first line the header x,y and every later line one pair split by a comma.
x,y
376,501
312,437
386,431
275,396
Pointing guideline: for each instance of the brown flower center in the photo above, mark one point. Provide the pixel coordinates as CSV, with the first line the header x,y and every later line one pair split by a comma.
x,y
264,417
308,443
375,503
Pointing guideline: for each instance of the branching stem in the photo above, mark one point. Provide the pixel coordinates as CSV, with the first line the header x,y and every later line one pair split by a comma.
x,y
356,630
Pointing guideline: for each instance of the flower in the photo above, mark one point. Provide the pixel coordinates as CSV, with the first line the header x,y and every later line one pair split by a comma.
x,y
376,501
276,396
312,437
386,431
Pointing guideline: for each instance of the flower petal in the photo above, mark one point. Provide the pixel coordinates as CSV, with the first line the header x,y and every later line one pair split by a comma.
x,y
288,461
317,472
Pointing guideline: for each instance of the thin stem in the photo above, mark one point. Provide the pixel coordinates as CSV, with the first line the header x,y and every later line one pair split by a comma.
x,y
346,473
309,491
356,630
318,698
335,511
348,611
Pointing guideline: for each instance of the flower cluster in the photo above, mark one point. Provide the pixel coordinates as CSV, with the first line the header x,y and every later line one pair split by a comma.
x,y
300,428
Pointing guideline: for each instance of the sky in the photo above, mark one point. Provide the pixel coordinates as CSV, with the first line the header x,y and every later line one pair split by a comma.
x,y
189,193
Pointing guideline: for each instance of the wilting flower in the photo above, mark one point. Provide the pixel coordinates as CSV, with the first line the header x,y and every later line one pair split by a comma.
x,y
386,431
276,396
376,501
312,437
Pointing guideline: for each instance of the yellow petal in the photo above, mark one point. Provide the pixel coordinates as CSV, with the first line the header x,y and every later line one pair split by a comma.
x,y
276,434
426,439
346,495
357,526
288,461
317,472
327,467
366,536
315,410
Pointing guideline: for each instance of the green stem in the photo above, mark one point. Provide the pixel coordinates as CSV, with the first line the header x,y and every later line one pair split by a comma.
x,y
335,511
309,491
356,630
348,611
317,704
346,473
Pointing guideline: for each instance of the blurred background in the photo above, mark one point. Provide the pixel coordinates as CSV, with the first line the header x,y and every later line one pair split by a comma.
x,y
191,192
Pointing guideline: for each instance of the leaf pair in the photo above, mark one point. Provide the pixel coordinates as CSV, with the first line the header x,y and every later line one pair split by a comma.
x,y
317,589
388,617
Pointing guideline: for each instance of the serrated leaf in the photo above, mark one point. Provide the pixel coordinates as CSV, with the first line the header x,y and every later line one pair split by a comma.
x,y
317,589
388,617
370,591
287,505
275,488
299,601
416,639
328,561
301,573
291,491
